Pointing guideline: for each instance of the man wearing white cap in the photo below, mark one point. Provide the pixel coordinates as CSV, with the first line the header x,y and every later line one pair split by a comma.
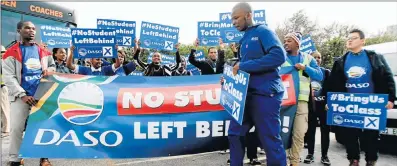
x,y
308,69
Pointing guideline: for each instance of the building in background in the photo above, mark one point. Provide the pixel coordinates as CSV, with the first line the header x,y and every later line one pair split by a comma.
x,y
40,13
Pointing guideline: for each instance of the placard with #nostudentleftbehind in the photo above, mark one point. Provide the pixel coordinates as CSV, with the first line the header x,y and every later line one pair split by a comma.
x,y
158,36
94,43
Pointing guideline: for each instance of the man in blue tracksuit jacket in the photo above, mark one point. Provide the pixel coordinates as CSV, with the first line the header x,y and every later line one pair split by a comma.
x,y
261,54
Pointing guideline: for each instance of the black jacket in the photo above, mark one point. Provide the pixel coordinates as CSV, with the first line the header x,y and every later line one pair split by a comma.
x,y
382,76
157,69
206,66
183,73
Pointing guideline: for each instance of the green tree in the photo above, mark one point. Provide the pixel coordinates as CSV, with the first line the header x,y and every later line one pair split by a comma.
x,y
381,37
329,40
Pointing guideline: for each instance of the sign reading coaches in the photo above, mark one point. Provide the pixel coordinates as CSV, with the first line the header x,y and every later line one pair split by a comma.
x,y
234,93
43,9
125,30
157,36
357,110
94,43
56,37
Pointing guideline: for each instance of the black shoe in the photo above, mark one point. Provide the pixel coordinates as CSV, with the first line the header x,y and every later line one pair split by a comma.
x,y
11,163
228,162
325,160
309,159
255,162
45,160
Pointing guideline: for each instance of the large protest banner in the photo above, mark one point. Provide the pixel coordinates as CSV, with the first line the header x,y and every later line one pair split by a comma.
x,y
357,110
307,45
157,36
134,116
229,33
125,30
94,43
56,37
125,117
234,93
290,79
208,33
136,73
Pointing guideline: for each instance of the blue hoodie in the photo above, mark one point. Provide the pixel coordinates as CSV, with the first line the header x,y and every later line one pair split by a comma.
x,y
261,55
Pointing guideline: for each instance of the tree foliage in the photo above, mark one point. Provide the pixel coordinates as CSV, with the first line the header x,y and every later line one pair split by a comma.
x,y
330,40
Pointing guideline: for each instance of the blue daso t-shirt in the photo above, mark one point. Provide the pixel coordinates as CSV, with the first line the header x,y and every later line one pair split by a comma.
x,y
31,69
358,70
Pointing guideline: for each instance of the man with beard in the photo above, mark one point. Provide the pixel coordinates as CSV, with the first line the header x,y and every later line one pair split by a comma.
x,y
308,70
155,68
213,64
24,64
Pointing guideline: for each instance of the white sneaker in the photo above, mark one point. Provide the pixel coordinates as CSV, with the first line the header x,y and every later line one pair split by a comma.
x,y
224,151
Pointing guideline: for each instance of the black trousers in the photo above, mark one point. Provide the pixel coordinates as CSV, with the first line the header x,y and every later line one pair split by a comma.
x,y
311,132
252,143
369,140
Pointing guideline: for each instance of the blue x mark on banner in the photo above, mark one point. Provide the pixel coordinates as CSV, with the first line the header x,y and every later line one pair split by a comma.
x,y
357,110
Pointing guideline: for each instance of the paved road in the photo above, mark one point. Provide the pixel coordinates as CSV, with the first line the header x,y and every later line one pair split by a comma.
x,y
336,154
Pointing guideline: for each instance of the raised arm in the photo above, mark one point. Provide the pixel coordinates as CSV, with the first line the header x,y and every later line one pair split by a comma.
x,y
221,57
177,59
69,60
192,57
137,51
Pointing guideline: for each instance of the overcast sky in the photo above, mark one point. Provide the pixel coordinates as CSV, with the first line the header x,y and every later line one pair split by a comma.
x,y
369,16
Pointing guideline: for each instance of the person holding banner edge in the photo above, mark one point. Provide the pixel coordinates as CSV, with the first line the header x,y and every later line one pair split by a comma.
x,y
376,73
24,64
155,68
308,70
260,54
